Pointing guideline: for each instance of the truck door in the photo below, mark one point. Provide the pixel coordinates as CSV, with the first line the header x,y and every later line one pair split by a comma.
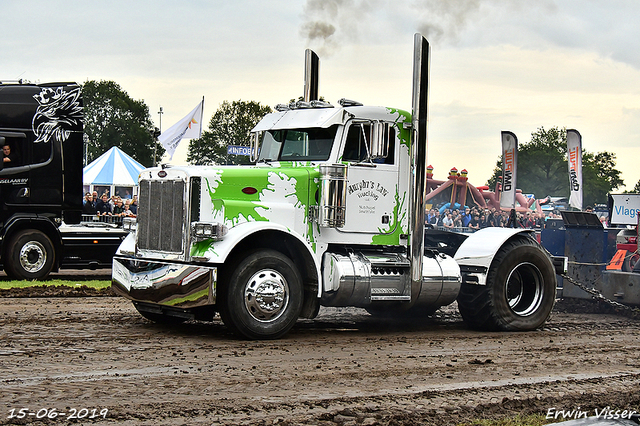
x,y
372,182
14,175
31,179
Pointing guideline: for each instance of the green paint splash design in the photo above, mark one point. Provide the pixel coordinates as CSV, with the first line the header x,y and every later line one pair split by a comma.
x,y
394,237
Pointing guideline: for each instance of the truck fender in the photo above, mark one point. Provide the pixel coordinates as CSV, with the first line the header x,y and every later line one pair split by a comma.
x,y
219,251
128,245
476,253
19,222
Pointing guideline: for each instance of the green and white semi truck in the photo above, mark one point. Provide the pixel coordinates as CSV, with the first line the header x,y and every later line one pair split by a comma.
x,y
330,213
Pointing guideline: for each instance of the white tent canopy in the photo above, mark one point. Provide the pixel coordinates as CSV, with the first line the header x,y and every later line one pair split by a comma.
x,y
112,172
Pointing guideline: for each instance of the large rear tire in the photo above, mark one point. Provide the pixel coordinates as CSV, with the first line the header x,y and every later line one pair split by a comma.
x,y
519,293
30,255
263,297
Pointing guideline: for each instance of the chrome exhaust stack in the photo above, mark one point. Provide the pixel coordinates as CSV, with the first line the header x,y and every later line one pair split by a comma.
x,y
311,75
418,158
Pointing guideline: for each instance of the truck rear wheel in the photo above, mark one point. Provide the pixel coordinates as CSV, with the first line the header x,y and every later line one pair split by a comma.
x,y
29,256
263,297
519,293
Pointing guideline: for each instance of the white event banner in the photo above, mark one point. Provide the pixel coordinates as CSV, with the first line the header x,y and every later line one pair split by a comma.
x,y
509,170
574,158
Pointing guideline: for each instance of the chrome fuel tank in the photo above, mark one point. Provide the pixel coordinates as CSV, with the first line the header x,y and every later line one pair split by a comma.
x,y
360,278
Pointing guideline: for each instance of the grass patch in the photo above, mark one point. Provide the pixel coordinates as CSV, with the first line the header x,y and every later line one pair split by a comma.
x,y
520,420
97,284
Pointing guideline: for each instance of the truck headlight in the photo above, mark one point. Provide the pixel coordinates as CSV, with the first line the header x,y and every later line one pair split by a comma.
x,y
206,231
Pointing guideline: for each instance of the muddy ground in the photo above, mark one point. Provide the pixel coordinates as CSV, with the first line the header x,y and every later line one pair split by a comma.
x,y
61,353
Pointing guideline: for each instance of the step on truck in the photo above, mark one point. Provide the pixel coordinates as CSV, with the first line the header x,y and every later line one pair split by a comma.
x,y
329,213
41,133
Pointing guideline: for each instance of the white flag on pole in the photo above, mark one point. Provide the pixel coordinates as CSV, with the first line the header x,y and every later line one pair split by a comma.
x,y
509,170
574,157
189,127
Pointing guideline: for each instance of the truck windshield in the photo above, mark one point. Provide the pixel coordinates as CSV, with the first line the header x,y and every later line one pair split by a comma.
x,y
297,144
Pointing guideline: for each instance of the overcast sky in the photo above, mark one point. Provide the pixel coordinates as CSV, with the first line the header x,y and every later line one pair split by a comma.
x,y
496,64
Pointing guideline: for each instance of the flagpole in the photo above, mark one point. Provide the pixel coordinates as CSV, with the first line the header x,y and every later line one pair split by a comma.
x,y
201,117
155,142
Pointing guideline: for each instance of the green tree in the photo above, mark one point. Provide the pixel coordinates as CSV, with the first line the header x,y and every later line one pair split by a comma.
x,y
543,168
634,190
112,118
231,124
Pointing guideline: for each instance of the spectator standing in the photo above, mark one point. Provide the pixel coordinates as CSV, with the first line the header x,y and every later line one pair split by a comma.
x,y
87,205
466,217
447,222
475,222
505,219
118,209
529,222
430,215
435,219
103,208
134,205
492,218
127,209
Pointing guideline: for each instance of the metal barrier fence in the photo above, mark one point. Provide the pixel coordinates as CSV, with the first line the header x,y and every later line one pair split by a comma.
x,y
103,219
463,230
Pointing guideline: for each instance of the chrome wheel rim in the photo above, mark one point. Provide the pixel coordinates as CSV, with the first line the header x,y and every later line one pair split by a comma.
x,y
266,295
33,256
524,289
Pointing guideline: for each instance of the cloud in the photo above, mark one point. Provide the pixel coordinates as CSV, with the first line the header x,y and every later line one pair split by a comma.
x,y
608,29
330,24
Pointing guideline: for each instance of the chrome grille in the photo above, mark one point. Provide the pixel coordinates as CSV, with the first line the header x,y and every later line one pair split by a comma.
x,y
161,215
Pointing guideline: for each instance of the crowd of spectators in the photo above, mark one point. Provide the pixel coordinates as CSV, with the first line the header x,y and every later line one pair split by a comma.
x,y
474,218
105,206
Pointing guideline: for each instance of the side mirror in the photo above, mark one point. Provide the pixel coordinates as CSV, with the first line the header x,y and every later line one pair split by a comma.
x,y
379,140
253,146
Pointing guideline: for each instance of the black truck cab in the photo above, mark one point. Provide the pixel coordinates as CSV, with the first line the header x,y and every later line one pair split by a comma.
x,y
41,132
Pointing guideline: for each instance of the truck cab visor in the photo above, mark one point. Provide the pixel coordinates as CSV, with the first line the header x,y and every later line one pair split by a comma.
x,y
321,117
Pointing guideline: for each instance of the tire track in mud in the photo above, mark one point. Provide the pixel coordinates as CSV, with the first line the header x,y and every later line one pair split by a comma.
x,y
345,366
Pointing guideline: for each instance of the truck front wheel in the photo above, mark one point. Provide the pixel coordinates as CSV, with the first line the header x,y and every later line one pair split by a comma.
x,y
263,297
30,256
519,293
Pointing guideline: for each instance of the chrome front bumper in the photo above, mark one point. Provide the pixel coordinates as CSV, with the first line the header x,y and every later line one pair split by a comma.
x,y
168,284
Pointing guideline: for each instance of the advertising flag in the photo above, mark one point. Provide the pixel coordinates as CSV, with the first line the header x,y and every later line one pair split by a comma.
x,y
574,158
189,127
509,168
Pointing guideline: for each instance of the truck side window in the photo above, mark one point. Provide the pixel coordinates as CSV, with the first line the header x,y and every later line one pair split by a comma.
x,y
24,152
10,155
355,147
13,150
